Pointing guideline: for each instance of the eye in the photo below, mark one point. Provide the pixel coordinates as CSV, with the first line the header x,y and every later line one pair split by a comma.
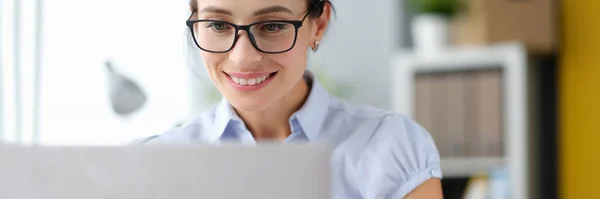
x,y
217,26
274,27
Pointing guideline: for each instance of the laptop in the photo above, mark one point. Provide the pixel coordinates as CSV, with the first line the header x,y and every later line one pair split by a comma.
x,y
229,171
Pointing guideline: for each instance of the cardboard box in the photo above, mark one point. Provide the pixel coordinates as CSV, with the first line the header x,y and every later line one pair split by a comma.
x,y
533,22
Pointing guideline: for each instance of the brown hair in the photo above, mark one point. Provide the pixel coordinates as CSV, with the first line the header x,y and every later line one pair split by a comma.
x,y
311,3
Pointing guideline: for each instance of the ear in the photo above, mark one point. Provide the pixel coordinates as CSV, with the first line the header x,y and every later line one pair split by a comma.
x,y
320,24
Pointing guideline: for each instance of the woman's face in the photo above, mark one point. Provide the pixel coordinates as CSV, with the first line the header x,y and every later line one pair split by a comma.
x,y
248,78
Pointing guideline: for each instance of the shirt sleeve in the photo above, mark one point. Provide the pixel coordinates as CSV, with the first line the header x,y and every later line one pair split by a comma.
x,y
399,156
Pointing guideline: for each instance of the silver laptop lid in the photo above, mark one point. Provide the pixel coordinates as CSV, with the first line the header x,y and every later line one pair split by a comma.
x,y
266,171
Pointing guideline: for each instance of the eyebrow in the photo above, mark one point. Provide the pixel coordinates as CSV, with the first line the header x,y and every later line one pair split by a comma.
x,y
263,11
272,9
216,10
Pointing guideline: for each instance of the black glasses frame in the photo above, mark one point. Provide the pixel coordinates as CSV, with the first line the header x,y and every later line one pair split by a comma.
x,y
297,24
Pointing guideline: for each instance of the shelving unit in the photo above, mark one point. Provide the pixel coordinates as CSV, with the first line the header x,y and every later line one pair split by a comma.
x,y
511,59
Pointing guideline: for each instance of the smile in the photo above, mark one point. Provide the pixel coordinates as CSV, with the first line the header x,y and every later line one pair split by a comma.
x,y
249,81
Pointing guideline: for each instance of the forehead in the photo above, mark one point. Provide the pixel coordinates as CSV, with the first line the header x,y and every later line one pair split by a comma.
x,y
247,7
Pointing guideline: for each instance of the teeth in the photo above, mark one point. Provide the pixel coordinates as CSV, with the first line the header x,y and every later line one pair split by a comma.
x,y
243,82
252,81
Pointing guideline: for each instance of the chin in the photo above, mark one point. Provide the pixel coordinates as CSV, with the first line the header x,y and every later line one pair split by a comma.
x,y
249,104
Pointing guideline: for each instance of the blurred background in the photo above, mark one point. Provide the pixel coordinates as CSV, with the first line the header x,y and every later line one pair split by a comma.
x,y
509,89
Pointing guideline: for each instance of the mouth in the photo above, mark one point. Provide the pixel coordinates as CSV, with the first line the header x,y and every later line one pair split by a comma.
x,y
249,82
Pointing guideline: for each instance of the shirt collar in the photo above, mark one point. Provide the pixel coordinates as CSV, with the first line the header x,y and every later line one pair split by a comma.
x,y
310,116
224,114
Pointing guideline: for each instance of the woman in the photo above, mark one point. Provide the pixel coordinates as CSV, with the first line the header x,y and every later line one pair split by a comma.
x,y
255,52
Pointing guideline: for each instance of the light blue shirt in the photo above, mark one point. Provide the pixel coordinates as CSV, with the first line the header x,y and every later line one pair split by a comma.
x,y
376,153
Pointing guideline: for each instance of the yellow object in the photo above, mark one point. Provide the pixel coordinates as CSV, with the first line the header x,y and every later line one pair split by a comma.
x,y
580,100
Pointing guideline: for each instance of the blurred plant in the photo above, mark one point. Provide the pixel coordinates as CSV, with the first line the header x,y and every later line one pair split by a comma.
x,y
446,8
210,93
335,87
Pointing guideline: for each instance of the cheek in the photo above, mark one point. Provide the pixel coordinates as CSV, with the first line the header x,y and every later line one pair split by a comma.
x,y
211,61
294,59
297,57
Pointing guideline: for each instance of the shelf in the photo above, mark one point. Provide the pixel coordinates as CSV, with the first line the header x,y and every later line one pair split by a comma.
x,y
511,59
469,166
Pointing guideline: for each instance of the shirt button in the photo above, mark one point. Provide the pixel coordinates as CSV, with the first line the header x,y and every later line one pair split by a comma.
x,y
433,172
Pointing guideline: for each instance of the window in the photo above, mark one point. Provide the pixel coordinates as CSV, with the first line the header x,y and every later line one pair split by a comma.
x,y
55,86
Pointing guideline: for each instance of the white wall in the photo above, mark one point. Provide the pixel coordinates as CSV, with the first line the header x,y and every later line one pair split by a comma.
x,y
145,39
358,47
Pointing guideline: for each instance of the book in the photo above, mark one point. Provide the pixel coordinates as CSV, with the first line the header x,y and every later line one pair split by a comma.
x,y
423,105
472,136
456,116
489,111
439,105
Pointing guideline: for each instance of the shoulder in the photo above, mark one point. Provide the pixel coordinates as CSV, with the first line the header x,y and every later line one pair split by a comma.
x,y
384,125
395,157
189,132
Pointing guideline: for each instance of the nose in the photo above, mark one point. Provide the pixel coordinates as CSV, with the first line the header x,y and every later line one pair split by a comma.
x,y
243,53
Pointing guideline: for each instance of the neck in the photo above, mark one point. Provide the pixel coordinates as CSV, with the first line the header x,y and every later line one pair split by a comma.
x,y
273,122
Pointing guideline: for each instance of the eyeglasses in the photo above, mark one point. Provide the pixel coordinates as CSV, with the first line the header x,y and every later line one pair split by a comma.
x,y
274,36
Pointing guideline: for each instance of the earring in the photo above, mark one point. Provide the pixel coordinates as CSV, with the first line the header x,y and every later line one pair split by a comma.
x,y
317,43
